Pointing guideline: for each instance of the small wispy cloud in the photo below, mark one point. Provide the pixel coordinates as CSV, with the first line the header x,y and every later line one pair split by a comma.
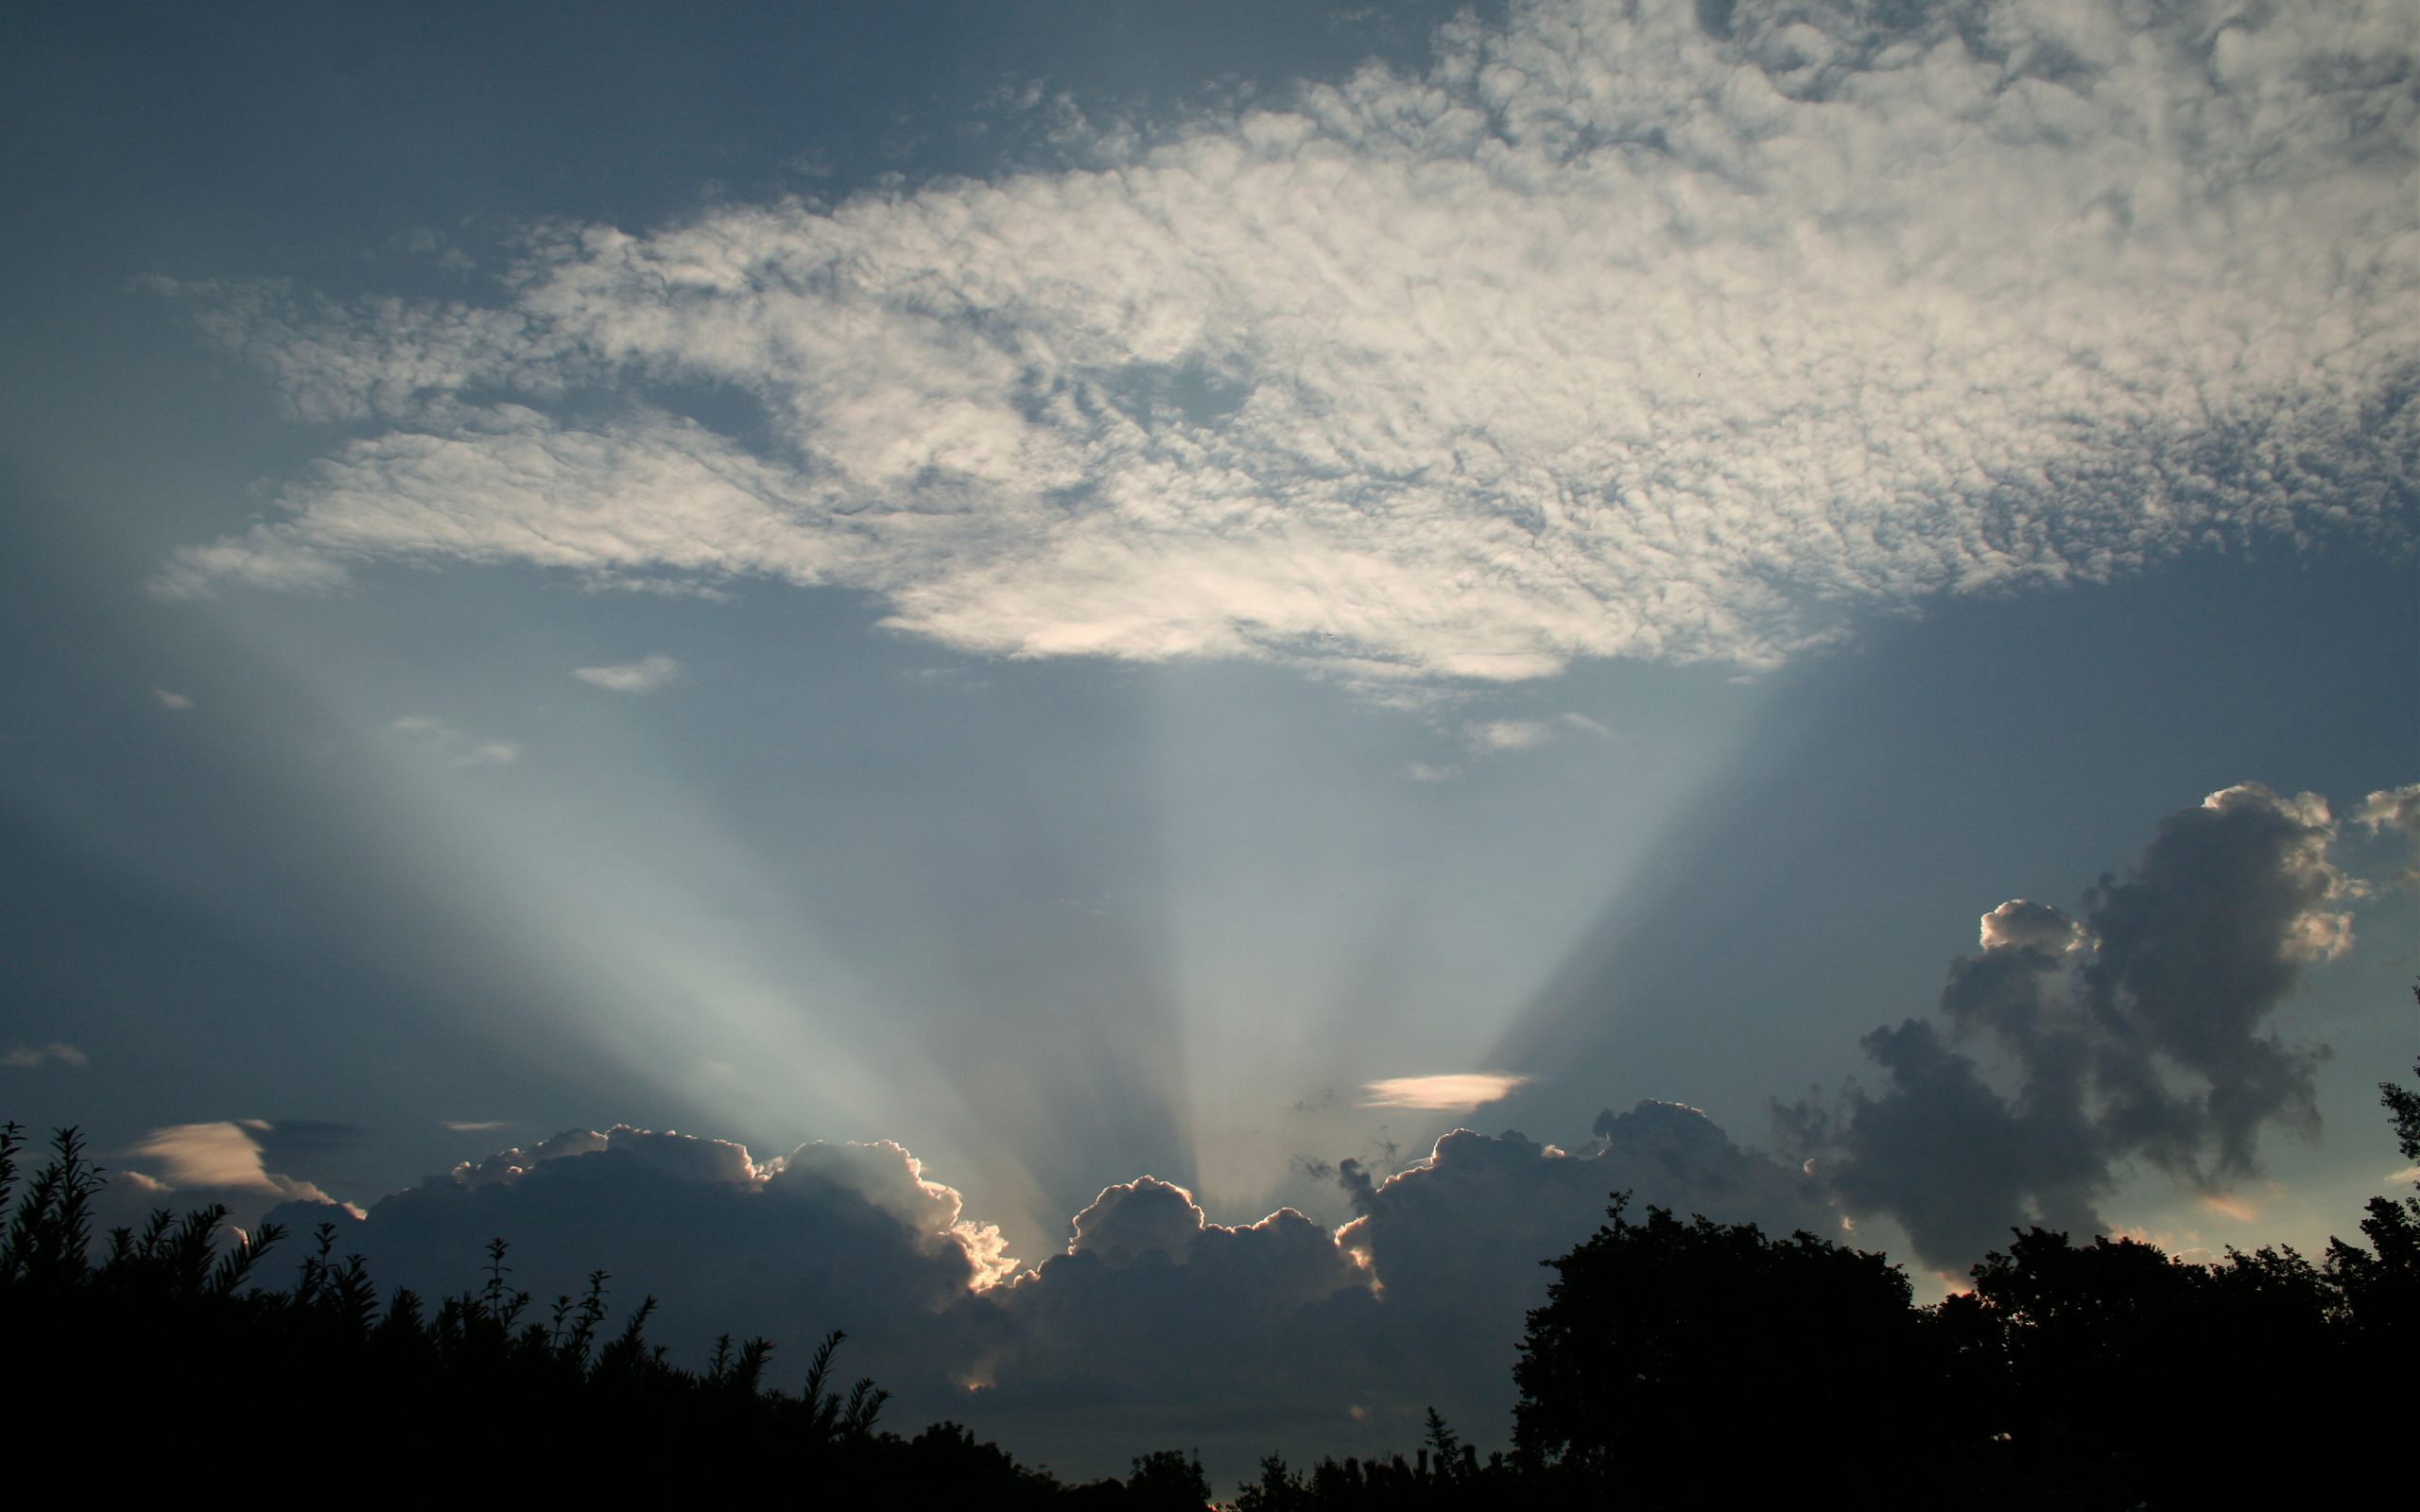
x,y
646,675
172,700
1508,734
25,1057
1451,1092
1423,772
464,1126
445,744
1587,726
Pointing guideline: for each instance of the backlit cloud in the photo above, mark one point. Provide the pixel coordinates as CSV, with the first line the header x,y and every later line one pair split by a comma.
x,y
1153,1320
223,1159
2136,1032
1624,331
1452,1091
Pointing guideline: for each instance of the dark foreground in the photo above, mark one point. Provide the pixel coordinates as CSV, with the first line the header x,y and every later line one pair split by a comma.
x,y
1674,1365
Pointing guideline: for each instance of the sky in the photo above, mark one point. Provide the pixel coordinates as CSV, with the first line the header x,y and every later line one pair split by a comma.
x,y
1068,635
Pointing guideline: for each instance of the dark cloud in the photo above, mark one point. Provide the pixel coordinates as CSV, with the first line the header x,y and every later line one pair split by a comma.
x,y
2133,1034
1154,1325
828,1237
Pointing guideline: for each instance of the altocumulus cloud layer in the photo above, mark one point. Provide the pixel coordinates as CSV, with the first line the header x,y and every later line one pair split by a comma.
x,y
1153,1321
1624,331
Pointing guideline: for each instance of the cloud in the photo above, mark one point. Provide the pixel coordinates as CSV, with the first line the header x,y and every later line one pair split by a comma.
x,y
171,700
1622,331
223,1160
1159,1322
25,1057
1508,734
851,1237
2393,808
1453,1092
2396,811
449,746
646,675
1154,1320
471,1126
2131,1033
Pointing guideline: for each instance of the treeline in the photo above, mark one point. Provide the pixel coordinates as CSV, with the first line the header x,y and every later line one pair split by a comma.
x,y
1674,1365
158,1349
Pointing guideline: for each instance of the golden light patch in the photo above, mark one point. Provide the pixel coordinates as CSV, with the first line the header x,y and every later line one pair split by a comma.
x,y
1453,1092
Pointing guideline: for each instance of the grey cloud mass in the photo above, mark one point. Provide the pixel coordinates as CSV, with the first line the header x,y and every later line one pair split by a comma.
x,y
1614,334
2133,1033
1153,1320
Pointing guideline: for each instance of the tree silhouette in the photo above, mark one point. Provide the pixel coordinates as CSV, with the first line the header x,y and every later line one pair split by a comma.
x,y
1666,1346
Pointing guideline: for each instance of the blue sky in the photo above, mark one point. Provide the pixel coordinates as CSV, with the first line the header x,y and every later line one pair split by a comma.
x,y
1103,590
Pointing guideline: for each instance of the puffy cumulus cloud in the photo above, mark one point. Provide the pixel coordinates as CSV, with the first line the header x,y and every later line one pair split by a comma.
x,y
1157,1322
1279,1334
2396,811
880,1173
1624,330
2133,1033
2018,924
507,1166
884,1174
2393,808
221,1162
846,1237
1154,1324
1459,1234
646,675
1145,1216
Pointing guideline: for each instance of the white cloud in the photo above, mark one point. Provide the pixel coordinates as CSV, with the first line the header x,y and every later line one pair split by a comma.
x,y
482,1125
2393,808
1452,1091
449,746
221,1157
171,700
1607,336
2396,811
1508,734
646,675
25,1057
